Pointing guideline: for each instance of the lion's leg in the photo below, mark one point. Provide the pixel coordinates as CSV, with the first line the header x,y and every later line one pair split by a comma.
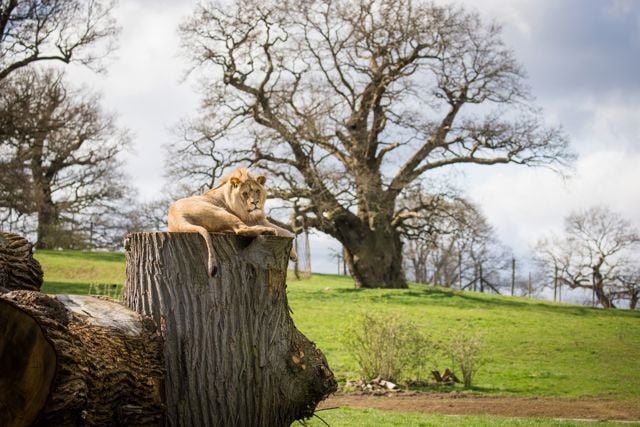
x,y
254,230
217,219
197,216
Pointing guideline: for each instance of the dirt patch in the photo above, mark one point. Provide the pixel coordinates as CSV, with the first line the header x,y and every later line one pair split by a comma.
x,y
462,404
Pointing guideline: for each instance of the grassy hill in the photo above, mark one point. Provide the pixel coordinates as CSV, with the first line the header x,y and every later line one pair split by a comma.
x,y
532,348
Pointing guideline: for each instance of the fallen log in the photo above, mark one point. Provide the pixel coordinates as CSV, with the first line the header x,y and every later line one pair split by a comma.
x,y
233,356
77,361
450,377
18,268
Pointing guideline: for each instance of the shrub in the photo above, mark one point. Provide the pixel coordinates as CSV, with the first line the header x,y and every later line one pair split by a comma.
x,y
388,347
465,350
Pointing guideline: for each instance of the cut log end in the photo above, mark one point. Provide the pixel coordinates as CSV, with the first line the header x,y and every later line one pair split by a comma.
x,y
77,360
28,373
18,268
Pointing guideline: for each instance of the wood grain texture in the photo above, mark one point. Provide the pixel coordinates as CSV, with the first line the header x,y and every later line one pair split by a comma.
x,y
18,268
63,367
233,356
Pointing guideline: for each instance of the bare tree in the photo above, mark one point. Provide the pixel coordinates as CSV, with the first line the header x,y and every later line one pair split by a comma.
x,y
433,235
54,30
129,216
598,251
64,148
349,103
472,255
628,287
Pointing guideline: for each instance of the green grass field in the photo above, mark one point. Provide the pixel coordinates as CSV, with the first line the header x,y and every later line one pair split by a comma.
x,y
347,417
78,272
533,348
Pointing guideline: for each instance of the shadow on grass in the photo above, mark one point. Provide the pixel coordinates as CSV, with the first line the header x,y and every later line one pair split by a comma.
x,y
443,388
424,296
65,288
535,304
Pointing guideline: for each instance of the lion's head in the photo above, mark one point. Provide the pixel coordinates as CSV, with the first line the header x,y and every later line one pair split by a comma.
x,y
245,195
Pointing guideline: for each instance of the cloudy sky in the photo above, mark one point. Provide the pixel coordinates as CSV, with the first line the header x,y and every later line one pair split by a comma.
x,y
583,62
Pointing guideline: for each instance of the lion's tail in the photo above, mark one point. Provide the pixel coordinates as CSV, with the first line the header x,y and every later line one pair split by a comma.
x,y
185,226
212,268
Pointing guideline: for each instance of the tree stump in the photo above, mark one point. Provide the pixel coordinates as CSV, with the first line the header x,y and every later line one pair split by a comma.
x,y
77,361
233,356
18,268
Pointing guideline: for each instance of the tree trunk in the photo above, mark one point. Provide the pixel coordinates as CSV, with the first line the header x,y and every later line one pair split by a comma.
x,y
47,217
233,355
633,299
598,288
77,361
374,258
420,269
18,268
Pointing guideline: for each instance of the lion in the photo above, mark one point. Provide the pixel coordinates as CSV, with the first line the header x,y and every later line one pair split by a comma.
x,y
235,205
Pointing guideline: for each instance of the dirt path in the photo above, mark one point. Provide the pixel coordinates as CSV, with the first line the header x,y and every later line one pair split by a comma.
x,y
460,404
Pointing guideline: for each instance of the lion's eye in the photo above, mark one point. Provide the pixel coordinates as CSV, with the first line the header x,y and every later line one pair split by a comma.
x,y
245,194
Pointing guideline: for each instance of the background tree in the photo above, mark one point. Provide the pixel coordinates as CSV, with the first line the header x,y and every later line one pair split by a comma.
x,y
433,235
426,217
350,103
63,147
461,250
598,251
628,287
54,30
128,216
489,260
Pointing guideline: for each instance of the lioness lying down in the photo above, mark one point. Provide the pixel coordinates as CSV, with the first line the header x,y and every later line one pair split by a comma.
x,y
235,205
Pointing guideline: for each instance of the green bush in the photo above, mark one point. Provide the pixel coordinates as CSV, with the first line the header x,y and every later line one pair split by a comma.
x,y
465,349
389,347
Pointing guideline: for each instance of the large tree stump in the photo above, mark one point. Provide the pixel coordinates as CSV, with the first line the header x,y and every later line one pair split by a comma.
x,y
77,361
18,268
233,356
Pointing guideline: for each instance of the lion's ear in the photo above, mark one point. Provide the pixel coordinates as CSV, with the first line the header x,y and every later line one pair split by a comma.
x,y
261,179
234,181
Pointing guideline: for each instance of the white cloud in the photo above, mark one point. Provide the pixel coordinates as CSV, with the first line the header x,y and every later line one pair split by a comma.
x,y
516,16
143,84
523,204
615,121
148,53
618,7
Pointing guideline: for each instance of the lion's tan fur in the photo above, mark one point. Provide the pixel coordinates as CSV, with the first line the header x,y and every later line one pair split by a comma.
x,y
235,205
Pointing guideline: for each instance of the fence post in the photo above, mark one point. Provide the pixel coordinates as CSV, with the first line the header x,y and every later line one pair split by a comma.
x,y
513,274
460,268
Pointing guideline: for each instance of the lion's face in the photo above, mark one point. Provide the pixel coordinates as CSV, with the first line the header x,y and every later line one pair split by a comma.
x,y
246,196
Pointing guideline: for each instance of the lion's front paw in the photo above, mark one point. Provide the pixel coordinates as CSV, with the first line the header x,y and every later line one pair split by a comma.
x,y
256,230
265,231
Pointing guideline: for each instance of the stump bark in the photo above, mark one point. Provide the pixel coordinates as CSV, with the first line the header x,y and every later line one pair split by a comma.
x,y
18,268
233,356
77,361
